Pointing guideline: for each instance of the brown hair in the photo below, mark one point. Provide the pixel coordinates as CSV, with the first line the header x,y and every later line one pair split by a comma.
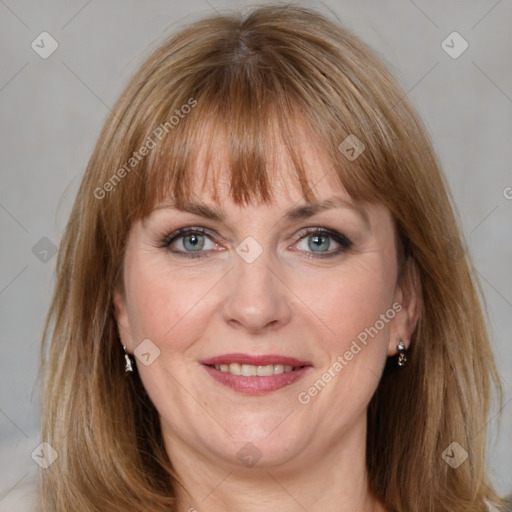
x,y
247,80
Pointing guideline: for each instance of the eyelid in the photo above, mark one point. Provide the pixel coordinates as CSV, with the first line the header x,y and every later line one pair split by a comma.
x,y
339,237
345,242
167,238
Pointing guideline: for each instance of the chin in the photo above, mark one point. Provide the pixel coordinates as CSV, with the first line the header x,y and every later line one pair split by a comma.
x,y
262,447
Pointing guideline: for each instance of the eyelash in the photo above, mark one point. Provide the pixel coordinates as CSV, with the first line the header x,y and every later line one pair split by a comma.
x,y
167,239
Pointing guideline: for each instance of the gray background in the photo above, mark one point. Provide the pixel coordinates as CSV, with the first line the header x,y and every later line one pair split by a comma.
x,y
52,111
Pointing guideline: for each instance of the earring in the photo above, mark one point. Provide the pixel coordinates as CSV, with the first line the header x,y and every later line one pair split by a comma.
x,y
402,357
128,365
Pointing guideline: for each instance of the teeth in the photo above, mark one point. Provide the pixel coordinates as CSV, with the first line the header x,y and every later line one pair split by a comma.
x,y
278,368
264,371
235,369
249,370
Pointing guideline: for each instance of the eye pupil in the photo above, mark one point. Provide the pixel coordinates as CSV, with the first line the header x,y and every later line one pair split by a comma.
x,y
196,243
317,241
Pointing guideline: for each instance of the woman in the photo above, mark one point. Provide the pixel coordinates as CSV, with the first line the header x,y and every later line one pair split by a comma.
x,y
262,297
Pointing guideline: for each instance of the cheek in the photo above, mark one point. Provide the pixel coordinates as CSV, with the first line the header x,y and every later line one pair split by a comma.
x,y
164,306
354,300
173,308
357,310
166,309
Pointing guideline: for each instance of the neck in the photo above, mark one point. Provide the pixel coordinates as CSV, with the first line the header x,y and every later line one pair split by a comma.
x,y
326,479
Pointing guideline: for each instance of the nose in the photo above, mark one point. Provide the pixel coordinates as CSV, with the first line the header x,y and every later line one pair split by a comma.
x,y
257,299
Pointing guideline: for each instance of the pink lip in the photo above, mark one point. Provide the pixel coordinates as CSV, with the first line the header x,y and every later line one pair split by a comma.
x,y
260,360
255,385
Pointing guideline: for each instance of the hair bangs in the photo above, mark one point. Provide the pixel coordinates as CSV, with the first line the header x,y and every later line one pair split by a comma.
x,y
219,142
247,115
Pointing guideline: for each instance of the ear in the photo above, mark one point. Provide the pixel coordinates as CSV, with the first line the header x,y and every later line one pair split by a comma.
x,y
122,317
408,295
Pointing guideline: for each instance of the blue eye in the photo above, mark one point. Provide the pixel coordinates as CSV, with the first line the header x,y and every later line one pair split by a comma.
x,y
192,240
319,241
195,240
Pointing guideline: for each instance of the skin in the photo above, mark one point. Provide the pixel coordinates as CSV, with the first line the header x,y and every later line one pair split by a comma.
x,y
308,456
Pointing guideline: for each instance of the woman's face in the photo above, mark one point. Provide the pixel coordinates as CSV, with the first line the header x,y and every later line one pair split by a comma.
x,y
257,292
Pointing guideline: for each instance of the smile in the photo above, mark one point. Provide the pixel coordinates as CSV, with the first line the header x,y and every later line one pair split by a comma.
x,y
250,370
255,374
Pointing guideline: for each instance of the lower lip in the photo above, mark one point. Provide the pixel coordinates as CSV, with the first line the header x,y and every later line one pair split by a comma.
x,y
257,385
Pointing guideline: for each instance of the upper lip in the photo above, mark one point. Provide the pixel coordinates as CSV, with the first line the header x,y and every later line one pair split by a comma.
x,y
256,360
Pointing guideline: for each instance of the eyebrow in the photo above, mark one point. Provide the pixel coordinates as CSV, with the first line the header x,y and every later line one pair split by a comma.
x,y
293,213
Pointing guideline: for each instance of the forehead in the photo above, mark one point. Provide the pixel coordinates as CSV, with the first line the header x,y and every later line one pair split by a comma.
x,y
211,171
210,195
